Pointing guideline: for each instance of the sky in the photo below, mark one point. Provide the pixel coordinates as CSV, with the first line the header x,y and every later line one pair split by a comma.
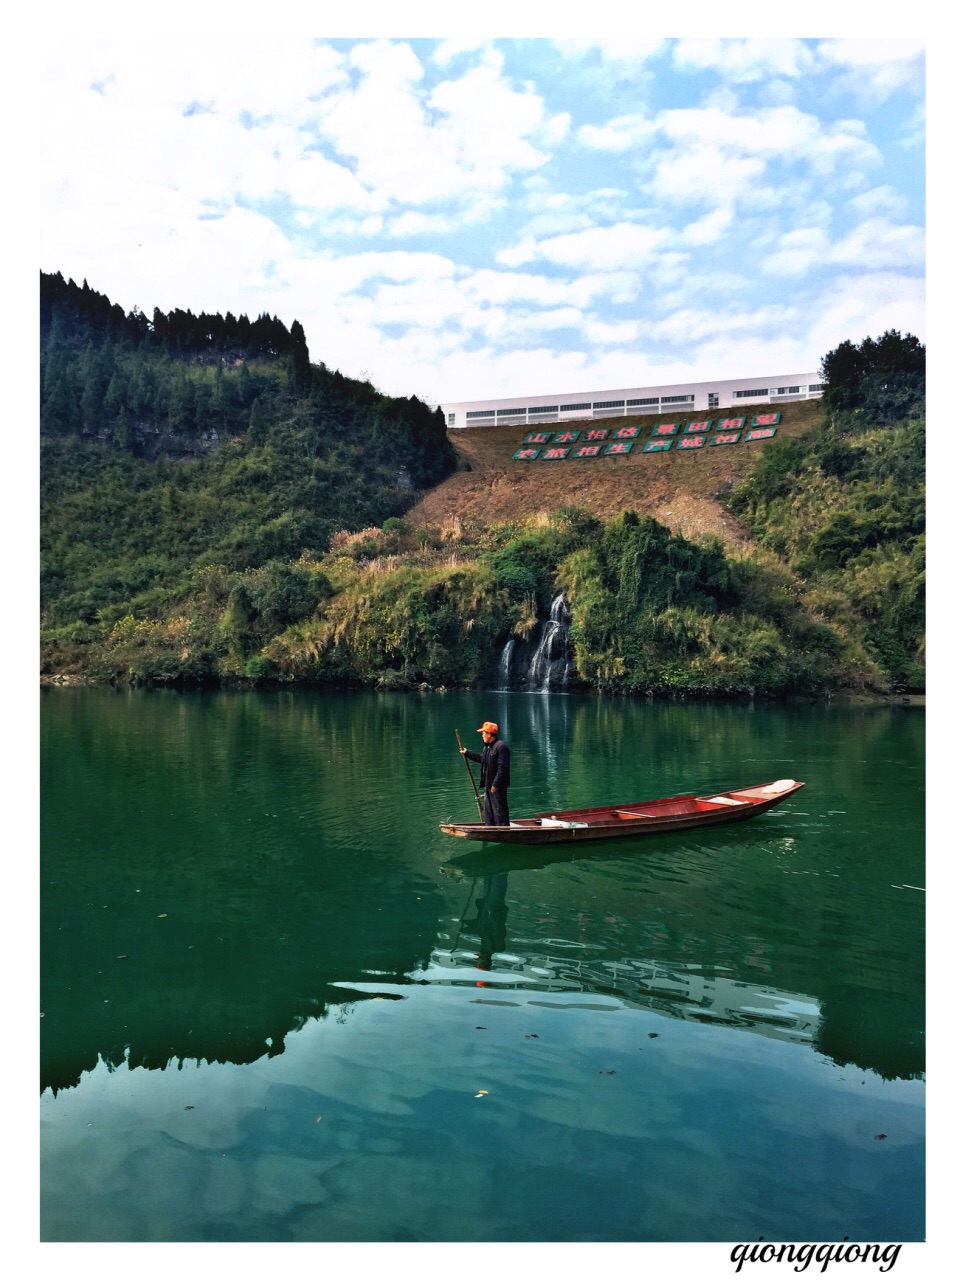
x,y
460,218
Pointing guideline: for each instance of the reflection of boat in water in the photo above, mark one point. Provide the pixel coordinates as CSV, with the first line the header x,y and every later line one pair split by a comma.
x,y
641,817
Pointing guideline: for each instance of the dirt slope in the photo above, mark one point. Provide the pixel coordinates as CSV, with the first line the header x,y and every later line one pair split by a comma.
x,y
682,490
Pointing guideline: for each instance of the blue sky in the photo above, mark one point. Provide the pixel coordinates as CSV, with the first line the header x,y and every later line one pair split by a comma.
x,y
461,218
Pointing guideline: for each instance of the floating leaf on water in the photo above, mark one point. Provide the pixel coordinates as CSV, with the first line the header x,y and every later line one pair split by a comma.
x,y
879,1137
188,1108
162,915
316,1119
481,1093
121,957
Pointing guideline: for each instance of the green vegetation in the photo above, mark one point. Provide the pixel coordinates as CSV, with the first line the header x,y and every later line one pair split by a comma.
x,y
198,441
843,507
217,508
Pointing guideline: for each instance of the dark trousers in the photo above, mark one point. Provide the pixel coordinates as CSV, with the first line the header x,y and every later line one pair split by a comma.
x,y
495,810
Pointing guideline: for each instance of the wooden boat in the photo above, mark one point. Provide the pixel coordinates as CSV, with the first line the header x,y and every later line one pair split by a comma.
x,y
644,817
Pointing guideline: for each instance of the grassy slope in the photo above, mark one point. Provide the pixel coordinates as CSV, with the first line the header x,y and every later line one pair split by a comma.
x,y
683,491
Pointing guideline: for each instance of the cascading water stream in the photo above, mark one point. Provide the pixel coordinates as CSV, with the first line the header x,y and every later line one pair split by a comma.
x,y
543,663
550,664
505,663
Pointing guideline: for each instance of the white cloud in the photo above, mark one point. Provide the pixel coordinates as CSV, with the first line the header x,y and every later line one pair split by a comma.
x,y
874,69
466,136
691,326
865,305
877,242
605,334
244,176
744,60
708,229
623,245
170,259
616,49
622,134
413,223
879,200
453,48
874,243
770,132
798,251
706,175
717,157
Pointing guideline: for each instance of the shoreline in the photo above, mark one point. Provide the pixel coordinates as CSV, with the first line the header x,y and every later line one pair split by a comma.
x,y
840,697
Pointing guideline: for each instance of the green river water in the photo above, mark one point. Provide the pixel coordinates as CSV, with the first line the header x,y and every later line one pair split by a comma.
x,y
278,1004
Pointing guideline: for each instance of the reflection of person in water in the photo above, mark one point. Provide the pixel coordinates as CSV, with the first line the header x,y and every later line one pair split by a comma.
x,y
492,918
494,763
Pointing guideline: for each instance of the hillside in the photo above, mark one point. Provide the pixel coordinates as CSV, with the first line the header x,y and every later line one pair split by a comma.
x,y
687,492
218,508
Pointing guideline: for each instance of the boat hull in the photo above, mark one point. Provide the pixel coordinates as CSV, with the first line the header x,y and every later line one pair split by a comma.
x,y
644,817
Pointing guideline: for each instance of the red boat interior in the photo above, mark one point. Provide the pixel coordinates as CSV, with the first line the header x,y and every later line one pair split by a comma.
x,y
675,807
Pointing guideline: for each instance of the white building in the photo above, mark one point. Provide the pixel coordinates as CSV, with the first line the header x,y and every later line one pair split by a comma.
x,y
683,397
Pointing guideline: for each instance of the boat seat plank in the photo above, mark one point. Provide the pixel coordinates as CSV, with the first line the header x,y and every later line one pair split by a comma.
x,y
629,813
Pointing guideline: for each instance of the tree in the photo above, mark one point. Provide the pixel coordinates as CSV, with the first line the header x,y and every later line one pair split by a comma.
x,y
882,380
298,361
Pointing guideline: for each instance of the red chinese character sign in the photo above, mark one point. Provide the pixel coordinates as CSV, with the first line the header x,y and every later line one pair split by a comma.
x,y
762,433
626,433
764,419
657,446
566,437
731,424
618,447
692,442
587,451
665,429
526,455
726,437
597,433
553,455
698,428
537,437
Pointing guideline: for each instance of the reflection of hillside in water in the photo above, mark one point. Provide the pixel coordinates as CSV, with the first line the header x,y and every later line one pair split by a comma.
x,y
228,849
853,1008
675,991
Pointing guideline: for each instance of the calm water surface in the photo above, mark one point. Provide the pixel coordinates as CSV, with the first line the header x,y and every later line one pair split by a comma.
x,y
278,1004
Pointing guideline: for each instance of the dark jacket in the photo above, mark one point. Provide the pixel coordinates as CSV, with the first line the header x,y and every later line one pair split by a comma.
x,y
494,764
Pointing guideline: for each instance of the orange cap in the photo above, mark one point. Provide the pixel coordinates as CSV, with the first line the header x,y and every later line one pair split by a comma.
x,y
488,727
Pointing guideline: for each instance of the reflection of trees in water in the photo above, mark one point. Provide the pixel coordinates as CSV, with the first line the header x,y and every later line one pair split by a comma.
x,y
288,877
687,973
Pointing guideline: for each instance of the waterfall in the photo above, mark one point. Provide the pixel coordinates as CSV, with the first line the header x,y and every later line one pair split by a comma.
x,y
543,662
505,663
551,663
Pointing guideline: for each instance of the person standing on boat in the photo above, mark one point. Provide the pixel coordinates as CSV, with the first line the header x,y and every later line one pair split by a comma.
x,y
494,763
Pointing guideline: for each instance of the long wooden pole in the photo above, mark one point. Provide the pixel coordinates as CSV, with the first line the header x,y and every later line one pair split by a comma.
x,y
470,772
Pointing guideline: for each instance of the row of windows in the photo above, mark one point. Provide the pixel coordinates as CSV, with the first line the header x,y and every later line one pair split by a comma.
x,y
571,408
780,391
630,404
